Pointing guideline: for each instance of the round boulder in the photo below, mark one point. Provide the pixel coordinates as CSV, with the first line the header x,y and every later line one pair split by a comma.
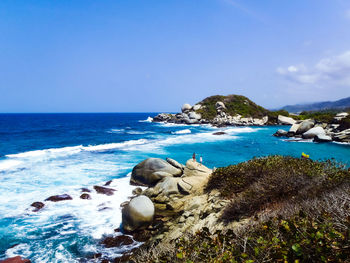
x,y
313,132
186,107
138,214
151,171
305,126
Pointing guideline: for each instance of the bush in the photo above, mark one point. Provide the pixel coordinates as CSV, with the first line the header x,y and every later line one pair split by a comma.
x,y
256,184
301,238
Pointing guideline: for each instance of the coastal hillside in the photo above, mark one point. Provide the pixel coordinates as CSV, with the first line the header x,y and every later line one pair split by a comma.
x,y
221,110
271,209
232,105
319,106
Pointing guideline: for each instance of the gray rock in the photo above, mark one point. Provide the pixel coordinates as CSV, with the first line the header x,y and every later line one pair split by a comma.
x,y
194,115
285,120
197,107
151,171
281,133
313,132
186,107
220,105
168,186
305,126
322,138
138,213
175,163
295,127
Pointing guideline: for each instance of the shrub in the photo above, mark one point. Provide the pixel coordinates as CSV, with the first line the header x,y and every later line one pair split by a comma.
x,y
256,184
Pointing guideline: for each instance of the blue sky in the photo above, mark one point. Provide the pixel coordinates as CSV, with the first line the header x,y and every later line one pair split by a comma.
x,y
113,56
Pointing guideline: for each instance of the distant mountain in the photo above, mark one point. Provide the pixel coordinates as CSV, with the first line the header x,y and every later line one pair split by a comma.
x,y
325,105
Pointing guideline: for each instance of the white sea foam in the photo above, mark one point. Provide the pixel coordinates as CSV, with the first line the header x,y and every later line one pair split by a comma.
x,y
116,131
9,164
149,119
181,137
186,131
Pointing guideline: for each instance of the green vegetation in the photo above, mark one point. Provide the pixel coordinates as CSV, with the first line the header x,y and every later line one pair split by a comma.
x,y
298,211
318,116
301,238
260,183
282,209
235,104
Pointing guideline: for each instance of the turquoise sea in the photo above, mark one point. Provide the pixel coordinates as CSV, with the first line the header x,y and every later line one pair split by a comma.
x,y
49,154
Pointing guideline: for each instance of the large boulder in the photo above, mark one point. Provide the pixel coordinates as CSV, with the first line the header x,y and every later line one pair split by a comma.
x,y
313,132
151,171
186,107
322,138
305,126
138,213
294,127
220,105
168,186
285,120
197,107
340,116
194,115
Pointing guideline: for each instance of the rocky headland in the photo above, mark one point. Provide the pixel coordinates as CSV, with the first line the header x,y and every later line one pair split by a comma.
x,y
236,110
221,111
336,127
190,213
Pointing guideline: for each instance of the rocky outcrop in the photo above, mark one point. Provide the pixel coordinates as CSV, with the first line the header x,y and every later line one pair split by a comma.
x,y
138,213
193,115
313,132
319,132
152,170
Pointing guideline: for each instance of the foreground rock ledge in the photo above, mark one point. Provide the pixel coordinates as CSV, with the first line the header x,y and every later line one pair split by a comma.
x,y
180,205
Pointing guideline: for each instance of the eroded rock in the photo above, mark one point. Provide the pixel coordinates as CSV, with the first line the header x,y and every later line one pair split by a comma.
x,y
104,190
58,198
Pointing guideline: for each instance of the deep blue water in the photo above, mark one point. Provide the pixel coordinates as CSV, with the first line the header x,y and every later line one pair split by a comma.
x,y
47,154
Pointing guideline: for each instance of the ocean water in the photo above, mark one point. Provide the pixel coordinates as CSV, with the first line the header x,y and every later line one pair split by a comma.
x,y
49,154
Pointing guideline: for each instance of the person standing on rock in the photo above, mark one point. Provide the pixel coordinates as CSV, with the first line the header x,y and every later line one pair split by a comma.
x,y
201,159
194,157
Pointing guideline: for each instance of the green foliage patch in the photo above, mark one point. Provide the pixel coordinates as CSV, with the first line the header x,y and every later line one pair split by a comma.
x,y
301,238
256,184
235,104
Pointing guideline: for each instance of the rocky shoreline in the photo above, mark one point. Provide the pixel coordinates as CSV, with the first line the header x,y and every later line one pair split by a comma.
x,y
192,115
300,129
174,204
310,129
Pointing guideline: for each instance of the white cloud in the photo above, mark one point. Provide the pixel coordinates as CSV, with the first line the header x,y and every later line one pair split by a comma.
x,y
329,72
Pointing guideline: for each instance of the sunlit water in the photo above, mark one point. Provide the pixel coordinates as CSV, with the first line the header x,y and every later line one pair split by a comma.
x,y
48,154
